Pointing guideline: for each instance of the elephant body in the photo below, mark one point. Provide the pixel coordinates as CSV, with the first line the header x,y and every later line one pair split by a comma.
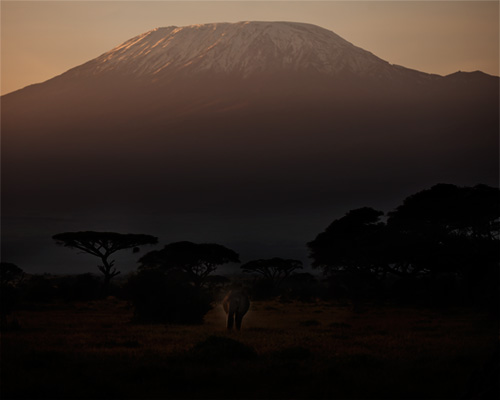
x,y
236,304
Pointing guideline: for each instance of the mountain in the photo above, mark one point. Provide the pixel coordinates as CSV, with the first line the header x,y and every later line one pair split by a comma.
x,y
245,48
252,118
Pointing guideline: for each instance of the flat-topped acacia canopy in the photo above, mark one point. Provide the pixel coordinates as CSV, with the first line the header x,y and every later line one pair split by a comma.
x,y
198,260
102,245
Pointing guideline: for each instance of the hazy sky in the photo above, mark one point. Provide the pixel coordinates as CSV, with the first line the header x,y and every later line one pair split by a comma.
x,y
41,39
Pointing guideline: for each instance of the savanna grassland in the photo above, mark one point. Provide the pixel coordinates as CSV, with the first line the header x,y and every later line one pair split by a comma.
x,y
285,350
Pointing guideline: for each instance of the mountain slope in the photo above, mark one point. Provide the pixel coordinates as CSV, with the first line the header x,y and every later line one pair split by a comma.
x,y
268,118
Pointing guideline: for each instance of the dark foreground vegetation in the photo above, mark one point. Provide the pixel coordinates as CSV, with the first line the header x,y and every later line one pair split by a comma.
x,y
406,306
330,350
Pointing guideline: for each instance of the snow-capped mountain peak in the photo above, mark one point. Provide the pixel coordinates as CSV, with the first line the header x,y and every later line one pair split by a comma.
x,y
244,48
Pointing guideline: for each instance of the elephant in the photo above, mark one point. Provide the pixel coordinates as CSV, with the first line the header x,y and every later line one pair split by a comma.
x,y
236,304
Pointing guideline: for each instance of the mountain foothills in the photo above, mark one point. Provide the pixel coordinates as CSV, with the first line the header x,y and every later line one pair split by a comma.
x,y
242,118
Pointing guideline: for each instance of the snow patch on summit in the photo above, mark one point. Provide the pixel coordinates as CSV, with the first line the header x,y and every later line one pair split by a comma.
x,y
244,48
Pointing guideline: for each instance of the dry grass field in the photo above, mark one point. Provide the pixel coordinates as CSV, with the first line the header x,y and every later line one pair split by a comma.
x,y
302,350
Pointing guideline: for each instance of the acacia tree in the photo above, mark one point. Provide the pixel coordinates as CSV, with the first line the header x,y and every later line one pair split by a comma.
x,y
275,270
353,243
103,245
197,260
446,228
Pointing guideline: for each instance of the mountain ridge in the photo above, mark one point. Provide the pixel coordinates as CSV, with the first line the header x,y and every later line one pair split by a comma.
x,y
219,119
166,53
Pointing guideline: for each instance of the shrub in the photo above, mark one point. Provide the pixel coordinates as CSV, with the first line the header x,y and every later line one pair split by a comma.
x,y
263,289
310,322
162,297
40,289
82,287
294,353
219,348
301,286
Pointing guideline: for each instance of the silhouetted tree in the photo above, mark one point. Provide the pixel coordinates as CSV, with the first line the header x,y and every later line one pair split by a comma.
x,y
103,245
197,260
274,270
447,230
351,243
10,278
351,252
448,209
437,240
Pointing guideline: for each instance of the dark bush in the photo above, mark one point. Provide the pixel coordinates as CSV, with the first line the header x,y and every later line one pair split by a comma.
x,y
359,285
10,278
293,354
166,297
310,322
301,286
263,289
216,348
82,287
9,298
40,289
339,325
217,286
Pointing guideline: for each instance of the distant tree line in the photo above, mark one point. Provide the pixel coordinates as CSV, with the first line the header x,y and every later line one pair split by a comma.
x,y
439,246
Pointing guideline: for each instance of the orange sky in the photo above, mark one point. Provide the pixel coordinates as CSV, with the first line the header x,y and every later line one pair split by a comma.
x,y
41,39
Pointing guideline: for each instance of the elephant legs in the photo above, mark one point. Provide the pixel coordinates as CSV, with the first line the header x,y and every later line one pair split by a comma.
x,y
239,318
230,321
235,304
234,318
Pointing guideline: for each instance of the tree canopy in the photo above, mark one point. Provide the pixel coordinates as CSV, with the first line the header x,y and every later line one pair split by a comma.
x,y
446,228
444,233
197,260
352,242
449,209
103,245
275,270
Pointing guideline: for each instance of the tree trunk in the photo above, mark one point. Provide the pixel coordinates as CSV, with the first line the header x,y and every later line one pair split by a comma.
x,y
106,285
109,272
